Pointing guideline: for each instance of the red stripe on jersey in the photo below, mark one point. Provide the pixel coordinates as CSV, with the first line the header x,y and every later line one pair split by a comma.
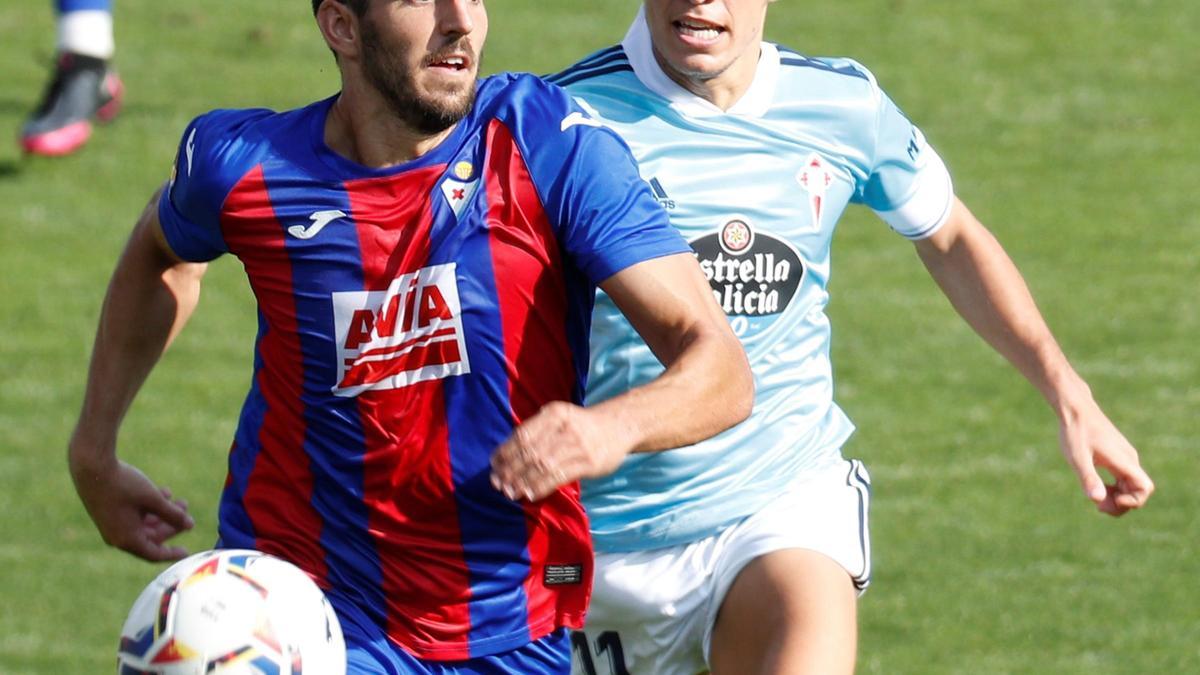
x,y
532,294
408,486
279,488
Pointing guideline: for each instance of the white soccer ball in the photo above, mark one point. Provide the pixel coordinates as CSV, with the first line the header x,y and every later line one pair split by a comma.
x,y
231,612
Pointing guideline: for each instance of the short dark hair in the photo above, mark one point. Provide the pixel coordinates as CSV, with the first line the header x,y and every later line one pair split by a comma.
x,y
359,6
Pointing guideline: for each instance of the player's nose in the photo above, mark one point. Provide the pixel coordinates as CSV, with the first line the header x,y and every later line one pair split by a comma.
x,y
456,17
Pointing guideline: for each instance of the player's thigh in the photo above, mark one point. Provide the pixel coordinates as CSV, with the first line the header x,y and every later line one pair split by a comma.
x,y
790,611
788,578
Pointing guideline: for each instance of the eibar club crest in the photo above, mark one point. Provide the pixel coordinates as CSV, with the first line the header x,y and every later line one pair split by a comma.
x,y
458,193
815,177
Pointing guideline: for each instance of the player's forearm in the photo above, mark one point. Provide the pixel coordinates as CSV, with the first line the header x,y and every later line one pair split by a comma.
x,y
705,389
987,290
149,299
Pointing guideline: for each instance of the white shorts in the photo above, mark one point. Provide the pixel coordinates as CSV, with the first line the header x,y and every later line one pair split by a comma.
x,y
652,612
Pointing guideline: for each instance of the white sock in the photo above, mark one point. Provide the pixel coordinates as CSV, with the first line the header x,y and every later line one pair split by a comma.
x,y
88,32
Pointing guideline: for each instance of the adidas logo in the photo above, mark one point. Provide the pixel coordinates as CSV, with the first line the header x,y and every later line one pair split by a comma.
x,y
660,195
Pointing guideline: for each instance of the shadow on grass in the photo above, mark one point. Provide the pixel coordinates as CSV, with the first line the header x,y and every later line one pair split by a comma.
x,y
15,106
9,168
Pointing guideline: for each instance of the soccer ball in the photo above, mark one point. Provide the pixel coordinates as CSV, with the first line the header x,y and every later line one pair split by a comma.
x,y
231,612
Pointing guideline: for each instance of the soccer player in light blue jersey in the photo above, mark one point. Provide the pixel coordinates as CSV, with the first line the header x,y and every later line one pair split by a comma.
x,y
745,553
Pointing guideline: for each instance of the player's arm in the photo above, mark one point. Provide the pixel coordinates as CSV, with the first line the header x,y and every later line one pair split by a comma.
x,y
706,387
985,287
150,297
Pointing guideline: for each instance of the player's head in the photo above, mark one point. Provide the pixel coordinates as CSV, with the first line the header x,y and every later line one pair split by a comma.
x,y
421,57
359,6
702,40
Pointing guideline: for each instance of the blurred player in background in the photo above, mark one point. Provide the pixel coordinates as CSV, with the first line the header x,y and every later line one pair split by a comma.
x,y
424,250
746,553
83,87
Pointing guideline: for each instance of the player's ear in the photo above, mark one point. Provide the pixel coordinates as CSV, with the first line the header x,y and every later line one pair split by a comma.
x,y
340,27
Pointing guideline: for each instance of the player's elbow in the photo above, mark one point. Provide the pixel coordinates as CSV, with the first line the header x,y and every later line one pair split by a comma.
x,y
743,402
736,385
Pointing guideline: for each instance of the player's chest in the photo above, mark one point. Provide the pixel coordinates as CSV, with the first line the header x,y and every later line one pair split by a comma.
x,y
396,283
773,188
370,234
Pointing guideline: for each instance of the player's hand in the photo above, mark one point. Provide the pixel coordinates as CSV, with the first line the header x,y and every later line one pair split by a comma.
x,y
130,511
1091,441
559,445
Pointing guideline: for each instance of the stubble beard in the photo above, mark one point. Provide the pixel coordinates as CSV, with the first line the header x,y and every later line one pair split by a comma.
x,y
424,114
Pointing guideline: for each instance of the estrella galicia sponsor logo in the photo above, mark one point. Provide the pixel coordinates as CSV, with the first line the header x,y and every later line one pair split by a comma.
x,y
752,274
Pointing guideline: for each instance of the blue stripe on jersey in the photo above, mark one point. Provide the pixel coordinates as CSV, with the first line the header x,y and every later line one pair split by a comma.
x,y
581,298
593,73
345,533
494,533
601,57
369,652
611,60
237,529
788,57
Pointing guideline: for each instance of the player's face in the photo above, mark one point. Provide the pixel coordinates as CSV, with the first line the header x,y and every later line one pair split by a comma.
x,y
423,57
703,40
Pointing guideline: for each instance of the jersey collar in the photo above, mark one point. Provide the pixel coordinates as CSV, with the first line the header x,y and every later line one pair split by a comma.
x,y
753,103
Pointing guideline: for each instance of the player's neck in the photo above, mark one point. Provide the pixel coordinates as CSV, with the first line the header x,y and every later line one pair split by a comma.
x,y
722,89
367,132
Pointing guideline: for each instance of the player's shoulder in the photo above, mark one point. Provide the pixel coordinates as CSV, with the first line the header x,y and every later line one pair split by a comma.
x,y
839,73
229,125
249,126
225,138
506,93
224,143
531,108
606,65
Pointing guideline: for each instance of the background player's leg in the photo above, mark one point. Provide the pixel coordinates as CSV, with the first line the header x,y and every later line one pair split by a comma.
x,y
83,86
790,611
85,27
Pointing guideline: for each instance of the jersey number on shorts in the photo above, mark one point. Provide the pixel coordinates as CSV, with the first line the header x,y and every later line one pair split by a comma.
x,y
608,646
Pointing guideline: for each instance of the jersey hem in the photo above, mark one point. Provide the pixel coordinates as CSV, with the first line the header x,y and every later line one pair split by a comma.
x,y
493,645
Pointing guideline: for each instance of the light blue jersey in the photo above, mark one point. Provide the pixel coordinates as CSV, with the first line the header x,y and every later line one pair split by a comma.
x,y
757,191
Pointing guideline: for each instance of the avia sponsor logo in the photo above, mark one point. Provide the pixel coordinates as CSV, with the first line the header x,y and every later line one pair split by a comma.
x,y
412,332
751,273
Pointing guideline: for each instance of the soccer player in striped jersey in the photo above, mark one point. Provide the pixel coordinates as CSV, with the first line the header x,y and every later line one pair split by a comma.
x,y
745,553
424,249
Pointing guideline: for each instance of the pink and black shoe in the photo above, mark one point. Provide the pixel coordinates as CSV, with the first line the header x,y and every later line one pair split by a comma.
x,y
83,89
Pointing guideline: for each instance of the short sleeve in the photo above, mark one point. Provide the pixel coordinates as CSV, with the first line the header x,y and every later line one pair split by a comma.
x,y
606,217
209,162
909,186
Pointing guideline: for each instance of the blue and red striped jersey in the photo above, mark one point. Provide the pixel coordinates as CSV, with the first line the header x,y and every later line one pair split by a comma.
x,y
409,319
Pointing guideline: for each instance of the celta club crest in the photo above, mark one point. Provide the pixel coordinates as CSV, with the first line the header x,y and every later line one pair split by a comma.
x,y
815,178
736,236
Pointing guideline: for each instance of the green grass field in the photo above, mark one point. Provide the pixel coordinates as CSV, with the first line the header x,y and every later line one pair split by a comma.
x,y
1071,128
